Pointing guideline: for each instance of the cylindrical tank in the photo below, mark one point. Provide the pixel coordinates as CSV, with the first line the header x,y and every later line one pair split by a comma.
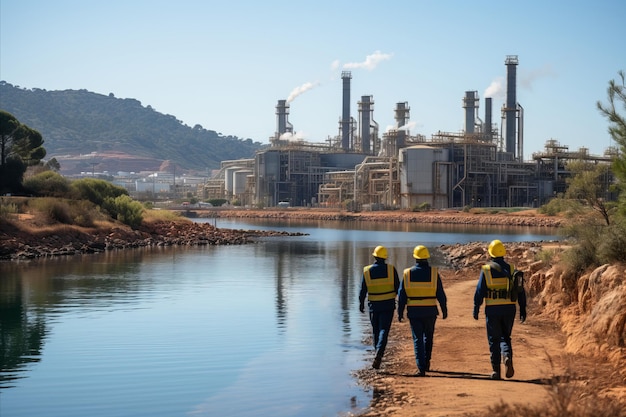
x,y
239,181
228,180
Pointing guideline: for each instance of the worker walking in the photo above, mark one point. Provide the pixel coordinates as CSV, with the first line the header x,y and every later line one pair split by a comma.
x,y
420,290
499,286
380,285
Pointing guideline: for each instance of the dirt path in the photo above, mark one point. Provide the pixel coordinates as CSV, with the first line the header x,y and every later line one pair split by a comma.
x,y
459,379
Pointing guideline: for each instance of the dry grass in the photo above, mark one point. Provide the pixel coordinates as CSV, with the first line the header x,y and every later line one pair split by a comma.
x,y
571,395
164,215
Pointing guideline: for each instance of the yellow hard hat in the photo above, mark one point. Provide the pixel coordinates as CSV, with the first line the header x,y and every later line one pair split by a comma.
x,y
496,249
421,252
380,252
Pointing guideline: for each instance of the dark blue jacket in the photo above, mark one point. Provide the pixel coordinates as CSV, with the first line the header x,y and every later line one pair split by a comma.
x,y
379,270
420,272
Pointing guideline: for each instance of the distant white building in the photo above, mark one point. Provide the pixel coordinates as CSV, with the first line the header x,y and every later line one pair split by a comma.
x,y
150,186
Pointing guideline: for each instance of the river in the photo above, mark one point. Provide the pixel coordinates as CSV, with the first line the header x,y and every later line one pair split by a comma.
x,y
270,328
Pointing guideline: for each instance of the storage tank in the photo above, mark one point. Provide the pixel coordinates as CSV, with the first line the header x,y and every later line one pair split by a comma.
x,y
228,180
424,177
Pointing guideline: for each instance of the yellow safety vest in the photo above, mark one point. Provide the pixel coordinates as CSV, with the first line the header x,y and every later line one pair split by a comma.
x,y
421,293
380,289
498,289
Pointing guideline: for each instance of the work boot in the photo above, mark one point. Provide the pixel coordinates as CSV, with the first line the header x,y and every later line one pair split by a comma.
x,y
496,372
508,364
377,361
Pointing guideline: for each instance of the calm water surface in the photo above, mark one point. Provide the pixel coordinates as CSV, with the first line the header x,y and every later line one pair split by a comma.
x,y
266,329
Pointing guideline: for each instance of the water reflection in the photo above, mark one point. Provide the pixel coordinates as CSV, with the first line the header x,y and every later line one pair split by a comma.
x,y
21,332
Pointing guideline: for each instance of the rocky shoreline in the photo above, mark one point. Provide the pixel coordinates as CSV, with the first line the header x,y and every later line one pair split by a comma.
x,y
17,244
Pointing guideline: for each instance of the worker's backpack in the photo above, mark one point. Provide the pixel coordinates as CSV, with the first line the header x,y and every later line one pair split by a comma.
x,y
516,280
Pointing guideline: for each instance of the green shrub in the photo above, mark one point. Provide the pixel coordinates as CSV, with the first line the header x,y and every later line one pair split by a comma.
x,y
583,255
560,205
60,211
596,243
96,191
80,213
125,209
7,209
546,256
47,184
218,202
612,245
421,207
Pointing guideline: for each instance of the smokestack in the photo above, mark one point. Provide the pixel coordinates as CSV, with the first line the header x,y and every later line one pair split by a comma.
x,y
365,118
470,105
488,110
511,103
282,114
402,119
345,115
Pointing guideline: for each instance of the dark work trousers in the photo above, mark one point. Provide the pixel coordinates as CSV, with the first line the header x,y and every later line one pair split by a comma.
x,y
381,324
423,330
499,328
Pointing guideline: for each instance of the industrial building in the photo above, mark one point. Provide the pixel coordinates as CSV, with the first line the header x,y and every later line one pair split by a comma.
x,y
360,169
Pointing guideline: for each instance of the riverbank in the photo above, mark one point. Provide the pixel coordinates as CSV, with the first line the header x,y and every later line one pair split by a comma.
x,y
27,237
526,218
22,239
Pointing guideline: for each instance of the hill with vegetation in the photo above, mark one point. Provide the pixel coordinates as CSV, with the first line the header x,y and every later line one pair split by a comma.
x,y
79,122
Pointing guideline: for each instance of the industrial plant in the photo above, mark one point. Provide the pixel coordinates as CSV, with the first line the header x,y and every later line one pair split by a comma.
x,y
361,169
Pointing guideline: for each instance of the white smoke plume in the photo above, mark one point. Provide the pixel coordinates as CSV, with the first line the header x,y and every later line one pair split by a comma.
x,y
298,136
496,89
371,61
527,79
300,90
408,126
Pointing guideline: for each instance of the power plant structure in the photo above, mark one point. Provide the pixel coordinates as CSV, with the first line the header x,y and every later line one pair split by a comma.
x,y
361,170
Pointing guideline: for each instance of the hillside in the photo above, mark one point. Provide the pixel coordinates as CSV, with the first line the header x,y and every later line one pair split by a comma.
x,y
79,122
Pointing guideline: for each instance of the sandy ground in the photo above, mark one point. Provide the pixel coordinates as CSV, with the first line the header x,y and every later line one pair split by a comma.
x,y
459,379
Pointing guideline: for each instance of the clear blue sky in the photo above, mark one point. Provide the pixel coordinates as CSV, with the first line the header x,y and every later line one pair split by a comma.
x,y
225,64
